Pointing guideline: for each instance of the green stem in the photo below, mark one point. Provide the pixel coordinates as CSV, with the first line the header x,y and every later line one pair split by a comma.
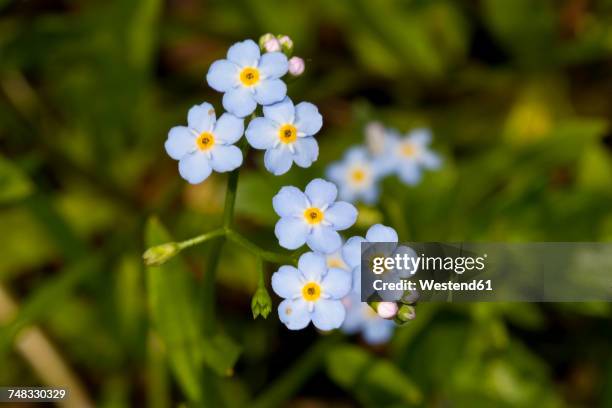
x,y
268,256
201,238
290,382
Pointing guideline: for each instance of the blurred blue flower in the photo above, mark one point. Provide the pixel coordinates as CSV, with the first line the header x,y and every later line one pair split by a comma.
x,y
412,154
356,176
312,292
313,216
380,142
247,78
286,133
361,318
205,144
352,254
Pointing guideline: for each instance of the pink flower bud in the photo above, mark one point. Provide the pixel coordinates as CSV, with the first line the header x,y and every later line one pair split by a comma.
x,y
296,66
272,45
387,310
286,41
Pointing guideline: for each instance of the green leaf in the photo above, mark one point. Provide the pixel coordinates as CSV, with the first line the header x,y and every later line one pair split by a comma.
x,y
176,316
375,381
14,184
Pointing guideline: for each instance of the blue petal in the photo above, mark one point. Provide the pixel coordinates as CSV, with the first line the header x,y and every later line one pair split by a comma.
x,y
306,151
348,194
421,137
307,118
335,172
381,233
430,160
225,158
195,168
278,161
294,313
291,232
286,282
273,65
341,215
244,54
289,202
324,239
409,172
336,283
370,195
321,193
313,266
201,117
281,112
356,155
377,330
354,318
356,288
229,128
351,251
180,142
269,91
222,75
239,101
262,133
328,314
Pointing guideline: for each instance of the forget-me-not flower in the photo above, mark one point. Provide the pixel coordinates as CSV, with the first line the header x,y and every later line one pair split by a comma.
x,y
361,318
356,176
313,216
286,133
247,78
380,142
412,154
205,144
312,292
352,254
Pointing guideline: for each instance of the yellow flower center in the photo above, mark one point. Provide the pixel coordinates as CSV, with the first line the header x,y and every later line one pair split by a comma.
x,y
249,76
311,291
313,216
205,141
408,150
287,133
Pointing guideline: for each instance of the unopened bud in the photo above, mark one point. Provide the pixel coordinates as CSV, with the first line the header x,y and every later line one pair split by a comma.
x,y
375,137
265,38
272,45
296,66
410,297
286,43
160,254
261,304
386,310
406,313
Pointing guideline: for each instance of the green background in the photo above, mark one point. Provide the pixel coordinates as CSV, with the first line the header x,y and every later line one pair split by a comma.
x,y
516,92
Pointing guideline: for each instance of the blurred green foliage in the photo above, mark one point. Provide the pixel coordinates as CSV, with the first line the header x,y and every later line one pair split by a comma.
x,y
517,94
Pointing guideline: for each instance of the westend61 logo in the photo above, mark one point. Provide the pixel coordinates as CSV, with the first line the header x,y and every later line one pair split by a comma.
x,y
412,263
486,271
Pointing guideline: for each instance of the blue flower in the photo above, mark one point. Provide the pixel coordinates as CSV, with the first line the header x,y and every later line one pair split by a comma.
x,y
360,317
205,144
286,133
247,78
412,154
356,176
380,142
312,217
312,292
352,254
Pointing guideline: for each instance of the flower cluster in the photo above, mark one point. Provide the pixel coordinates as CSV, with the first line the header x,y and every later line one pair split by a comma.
x,y
324,287
386,152
247,78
